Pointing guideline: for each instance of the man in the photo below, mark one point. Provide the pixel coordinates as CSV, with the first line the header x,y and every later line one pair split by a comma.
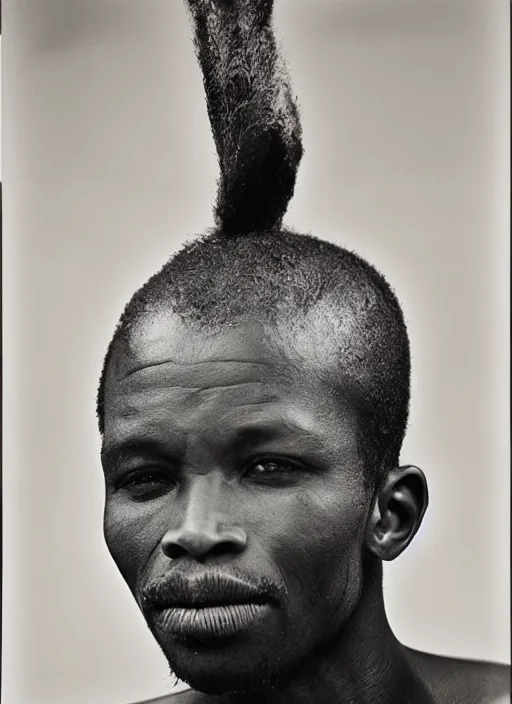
x,y
252,408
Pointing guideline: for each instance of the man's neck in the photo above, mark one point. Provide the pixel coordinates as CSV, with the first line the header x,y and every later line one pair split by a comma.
x,y
364,665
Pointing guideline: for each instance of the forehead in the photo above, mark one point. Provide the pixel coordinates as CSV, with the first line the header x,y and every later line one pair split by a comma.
x,y
168,373
162,345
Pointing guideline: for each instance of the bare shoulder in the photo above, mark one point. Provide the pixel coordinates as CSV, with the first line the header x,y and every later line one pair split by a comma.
x,y
187,696
458,681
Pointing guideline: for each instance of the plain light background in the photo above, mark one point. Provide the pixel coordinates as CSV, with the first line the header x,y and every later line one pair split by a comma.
x,y
109,166
0,107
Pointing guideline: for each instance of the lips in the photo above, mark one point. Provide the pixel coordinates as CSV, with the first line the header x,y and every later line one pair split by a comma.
x,y
212,622
209,606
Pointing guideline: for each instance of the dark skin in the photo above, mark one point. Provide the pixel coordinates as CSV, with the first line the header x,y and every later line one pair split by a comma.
x,y
223,454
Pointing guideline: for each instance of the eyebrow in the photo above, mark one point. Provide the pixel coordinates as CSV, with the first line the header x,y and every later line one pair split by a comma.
x,y
112,456
262,433
252,436
237,440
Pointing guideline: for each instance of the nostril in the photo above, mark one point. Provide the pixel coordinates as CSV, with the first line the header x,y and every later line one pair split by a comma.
x,y
220,549
173,551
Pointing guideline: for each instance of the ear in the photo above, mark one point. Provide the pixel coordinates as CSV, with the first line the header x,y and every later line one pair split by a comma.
x,y
400,504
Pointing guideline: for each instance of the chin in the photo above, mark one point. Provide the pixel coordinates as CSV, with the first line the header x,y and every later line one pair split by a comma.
x,y
221,679
216,682
225,668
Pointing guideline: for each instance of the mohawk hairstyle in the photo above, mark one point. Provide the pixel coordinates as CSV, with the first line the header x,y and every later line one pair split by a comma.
x,y
253,116
249,266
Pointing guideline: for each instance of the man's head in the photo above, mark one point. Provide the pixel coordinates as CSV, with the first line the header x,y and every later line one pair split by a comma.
x,y
252,407
253,404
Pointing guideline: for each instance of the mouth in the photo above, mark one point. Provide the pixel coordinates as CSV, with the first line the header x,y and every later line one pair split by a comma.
x,y
210,607
211,622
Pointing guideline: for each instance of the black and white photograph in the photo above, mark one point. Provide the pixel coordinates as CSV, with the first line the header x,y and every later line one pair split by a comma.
x,y
256,351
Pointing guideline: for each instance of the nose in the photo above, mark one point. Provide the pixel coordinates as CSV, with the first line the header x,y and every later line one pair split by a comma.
x,y
204,530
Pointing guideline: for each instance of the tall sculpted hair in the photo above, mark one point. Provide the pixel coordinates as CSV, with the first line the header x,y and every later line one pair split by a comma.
x,y
249,266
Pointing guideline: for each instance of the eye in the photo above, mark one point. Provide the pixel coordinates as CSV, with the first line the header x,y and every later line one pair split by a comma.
x,y
274,471
147,483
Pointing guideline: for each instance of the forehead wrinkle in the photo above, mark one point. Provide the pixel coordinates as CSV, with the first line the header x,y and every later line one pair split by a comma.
x,y
191,390
194,375
157,398
198,363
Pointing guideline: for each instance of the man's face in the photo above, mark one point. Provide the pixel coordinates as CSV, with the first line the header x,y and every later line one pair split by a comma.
x,y
235,500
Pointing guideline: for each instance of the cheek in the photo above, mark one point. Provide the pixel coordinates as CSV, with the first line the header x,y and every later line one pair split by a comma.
x,y
321,537
132,534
